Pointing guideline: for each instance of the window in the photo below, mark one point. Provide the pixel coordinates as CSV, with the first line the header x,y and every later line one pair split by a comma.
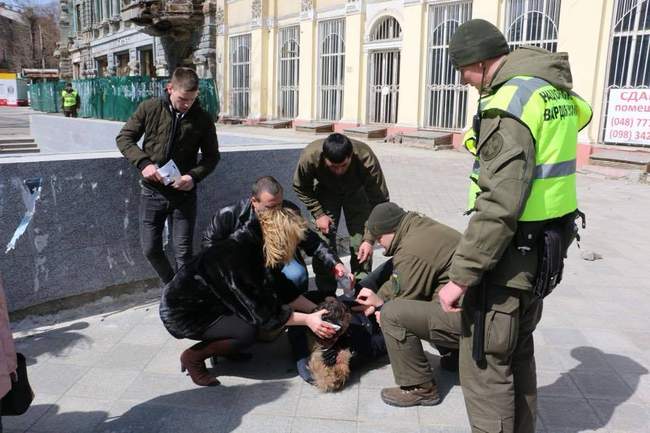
x,y
386,29
630,49
331,69
101,64
145,56
289,70
532,22
240,75
446,98
122,64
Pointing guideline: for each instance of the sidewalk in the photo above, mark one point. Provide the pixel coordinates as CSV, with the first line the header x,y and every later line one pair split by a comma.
x,y
118,371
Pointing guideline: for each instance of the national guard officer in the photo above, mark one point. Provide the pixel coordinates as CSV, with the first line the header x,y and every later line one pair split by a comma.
x,y
340,174
523,208
421,251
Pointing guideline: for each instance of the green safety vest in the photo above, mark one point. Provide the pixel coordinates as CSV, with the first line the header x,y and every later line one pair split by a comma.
x,y
69,99
553,116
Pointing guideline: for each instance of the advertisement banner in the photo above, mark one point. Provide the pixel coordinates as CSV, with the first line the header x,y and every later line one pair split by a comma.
x,y
628,117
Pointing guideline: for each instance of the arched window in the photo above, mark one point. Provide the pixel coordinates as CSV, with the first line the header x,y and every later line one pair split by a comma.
x,y
532,22
446,98
630,52
240,75
386,29
289,69
331,69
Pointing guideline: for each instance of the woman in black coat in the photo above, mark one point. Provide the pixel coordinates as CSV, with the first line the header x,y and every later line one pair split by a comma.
x,y
236,287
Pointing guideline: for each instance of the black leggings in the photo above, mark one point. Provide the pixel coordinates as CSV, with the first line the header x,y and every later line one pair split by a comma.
x,y
232,328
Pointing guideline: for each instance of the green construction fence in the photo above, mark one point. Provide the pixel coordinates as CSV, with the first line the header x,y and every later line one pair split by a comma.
x,y
114,98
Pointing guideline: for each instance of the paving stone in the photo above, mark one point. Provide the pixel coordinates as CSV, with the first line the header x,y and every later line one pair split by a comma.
x,y
55,379
316,425
147,335
73,415
253,423
564,337
593,385
269,398
556,385
129,356
623,417
567,414
107,383
341,405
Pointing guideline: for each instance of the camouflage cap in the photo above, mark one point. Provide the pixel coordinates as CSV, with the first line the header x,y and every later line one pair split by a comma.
x,y
476,40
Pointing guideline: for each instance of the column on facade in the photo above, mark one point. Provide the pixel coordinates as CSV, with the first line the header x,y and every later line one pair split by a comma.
x,y
353,99
258,70
221,53
272,60
308,61
413,68
584,46
134,63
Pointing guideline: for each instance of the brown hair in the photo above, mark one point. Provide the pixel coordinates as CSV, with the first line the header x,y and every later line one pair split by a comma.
x,y
185,79
282,230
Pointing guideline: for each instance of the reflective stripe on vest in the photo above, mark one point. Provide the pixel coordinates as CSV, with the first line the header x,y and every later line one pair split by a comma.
x,y
69,99
554,117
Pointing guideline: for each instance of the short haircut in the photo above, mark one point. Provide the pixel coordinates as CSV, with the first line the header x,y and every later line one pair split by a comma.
x,y
185,79
337,147
266,184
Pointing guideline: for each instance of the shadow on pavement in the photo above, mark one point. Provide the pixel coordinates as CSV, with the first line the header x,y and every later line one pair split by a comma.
x,y
53,342
201,410
597,378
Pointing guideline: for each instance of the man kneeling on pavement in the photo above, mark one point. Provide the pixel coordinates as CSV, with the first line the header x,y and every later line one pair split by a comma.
x,y
406,302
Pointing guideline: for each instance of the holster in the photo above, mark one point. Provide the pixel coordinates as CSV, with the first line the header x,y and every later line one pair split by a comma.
x,y
553,242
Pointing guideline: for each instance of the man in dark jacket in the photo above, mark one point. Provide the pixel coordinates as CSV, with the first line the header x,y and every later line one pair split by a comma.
x,y
406,293
341,174
267,193
175,128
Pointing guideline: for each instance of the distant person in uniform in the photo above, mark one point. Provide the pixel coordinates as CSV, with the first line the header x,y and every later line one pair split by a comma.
x,y
70,101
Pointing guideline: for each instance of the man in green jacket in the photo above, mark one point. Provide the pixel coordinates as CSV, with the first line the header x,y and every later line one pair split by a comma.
x,y
340,174
421,251
175,127
524,140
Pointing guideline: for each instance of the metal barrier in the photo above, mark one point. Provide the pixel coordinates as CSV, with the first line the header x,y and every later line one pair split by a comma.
x,y
114,98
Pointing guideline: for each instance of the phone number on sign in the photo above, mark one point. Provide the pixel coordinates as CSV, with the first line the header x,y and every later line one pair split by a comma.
x,y
629,134
631,122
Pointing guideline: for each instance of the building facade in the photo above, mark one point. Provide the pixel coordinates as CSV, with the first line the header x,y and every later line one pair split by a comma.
x,y
100,43
365,62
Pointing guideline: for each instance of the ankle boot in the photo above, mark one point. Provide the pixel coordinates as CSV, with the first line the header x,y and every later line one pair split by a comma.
x,y
193,360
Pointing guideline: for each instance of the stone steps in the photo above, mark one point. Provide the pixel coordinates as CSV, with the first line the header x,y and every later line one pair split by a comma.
x,y
275,124
315,127
14,145
426,139
232,120
367,132
623,159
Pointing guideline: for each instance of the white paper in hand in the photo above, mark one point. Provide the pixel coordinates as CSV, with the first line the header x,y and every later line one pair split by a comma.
x,y
169,172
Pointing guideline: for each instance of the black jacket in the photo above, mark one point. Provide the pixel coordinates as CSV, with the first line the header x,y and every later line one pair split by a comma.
x,y
168,137
230,218
228,277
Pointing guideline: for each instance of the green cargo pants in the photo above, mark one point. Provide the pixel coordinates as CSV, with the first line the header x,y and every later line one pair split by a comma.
x,y
404,323
356,207
501,393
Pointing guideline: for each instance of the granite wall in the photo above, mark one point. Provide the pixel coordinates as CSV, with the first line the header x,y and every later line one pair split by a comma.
x,y
84,236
